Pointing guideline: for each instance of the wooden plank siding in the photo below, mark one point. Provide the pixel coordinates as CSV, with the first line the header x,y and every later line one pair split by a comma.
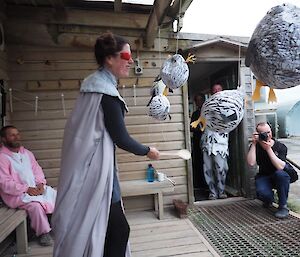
x,y
3,65
4,77
36,71
248,182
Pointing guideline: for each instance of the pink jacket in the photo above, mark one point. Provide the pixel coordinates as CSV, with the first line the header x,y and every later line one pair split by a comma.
x,y
11,186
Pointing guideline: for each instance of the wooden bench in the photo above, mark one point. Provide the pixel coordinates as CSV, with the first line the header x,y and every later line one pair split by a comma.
x,y
13,219
142,187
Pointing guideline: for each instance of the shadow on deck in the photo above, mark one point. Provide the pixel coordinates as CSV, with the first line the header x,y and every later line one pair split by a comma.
x,y
234,227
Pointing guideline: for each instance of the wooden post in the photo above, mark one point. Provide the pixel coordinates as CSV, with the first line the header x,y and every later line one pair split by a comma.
x,y
22,241
160,206
187,134
155,20
118,5
248,125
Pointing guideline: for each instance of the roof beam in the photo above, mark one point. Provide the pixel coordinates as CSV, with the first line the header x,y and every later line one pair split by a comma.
x,y
118,5
156,18
179,8
79,17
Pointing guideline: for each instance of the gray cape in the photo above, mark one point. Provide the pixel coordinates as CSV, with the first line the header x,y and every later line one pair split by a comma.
x,y
86,178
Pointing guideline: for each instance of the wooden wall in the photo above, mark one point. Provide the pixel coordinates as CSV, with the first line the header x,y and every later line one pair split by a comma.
x,y
49,72
4,77
3,65
49,53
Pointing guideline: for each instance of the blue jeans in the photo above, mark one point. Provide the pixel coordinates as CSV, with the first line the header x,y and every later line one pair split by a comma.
x,y
280,180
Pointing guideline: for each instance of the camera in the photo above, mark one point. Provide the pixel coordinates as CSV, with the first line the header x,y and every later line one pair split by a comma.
x,y
263,136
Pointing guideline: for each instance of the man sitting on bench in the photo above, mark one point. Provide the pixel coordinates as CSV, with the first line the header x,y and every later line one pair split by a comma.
x,y
23,184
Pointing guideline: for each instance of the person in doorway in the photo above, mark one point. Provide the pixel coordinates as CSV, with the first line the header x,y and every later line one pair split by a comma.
x,y
270,156
23,184
88,219
197,157
215,151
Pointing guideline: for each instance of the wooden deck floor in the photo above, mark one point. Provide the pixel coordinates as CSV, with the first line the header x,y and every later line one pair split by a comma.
x,y
150,237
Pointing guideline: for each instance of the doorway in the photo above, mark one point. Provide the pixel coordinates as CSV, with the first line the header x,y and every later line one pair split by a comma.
x,y
202,76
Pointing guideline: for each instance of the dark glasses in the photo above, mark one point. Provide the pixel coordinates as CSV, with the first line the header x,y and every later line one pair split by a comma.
x,y
125,56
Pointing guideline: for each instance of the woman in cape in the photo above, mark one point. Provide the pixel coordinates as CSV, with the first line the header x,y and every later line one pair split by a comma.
x,y
88,219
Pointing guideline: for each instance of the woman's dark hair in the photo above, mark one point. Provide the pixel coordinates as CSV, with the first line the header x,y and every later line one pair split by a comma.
x,y
108,44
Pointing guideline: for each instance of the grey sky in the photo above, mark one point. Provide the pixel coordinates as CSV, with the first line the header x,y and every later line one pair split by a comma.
x,y
228,17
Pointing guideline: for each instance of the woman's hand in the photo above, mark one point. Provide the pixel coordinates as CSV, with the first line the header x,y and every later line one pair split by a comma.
x,y
153,153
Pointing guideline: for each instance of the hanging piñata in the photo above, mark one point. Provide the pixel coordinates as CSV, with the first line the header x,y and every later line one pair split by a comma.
x,y
222,112
159,107
158,87
175,71
274,50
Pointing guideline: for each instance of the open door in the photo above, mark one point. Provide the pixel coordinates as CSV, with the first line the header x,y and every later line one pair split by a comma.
x,y
230,75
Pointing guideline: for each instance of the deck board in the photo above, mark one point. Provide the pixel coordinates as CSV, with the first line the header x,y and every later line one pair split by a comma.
x,y
150,237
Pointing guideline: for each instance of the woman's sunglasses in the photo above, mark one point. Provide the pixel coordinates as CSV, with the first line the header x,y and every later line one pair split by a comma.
x,y
125,56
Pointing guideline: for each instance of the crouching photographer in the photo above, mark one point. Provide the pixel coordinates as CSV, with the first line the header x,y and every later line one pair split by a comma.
x,y
270,156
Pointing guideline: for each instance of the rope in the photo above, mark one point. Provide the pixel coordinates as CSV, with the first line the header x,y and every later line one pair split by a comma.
x,y
239,67
40,109
36,105
19,90
63,104
134,94
177,35
10,100
159,45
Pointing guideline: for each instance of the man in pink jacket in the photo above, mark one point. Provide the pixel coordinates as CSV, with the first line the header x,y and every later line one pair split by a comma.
x,y
23,184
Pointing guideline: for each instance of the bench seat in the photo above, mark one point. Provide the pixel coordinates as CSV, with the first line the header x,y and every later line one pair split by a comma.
x,y
11,219
142,187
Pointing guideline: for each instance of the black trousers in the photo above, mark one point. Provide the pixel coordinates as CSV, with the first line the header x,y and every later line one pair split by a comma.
x,y
117,233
